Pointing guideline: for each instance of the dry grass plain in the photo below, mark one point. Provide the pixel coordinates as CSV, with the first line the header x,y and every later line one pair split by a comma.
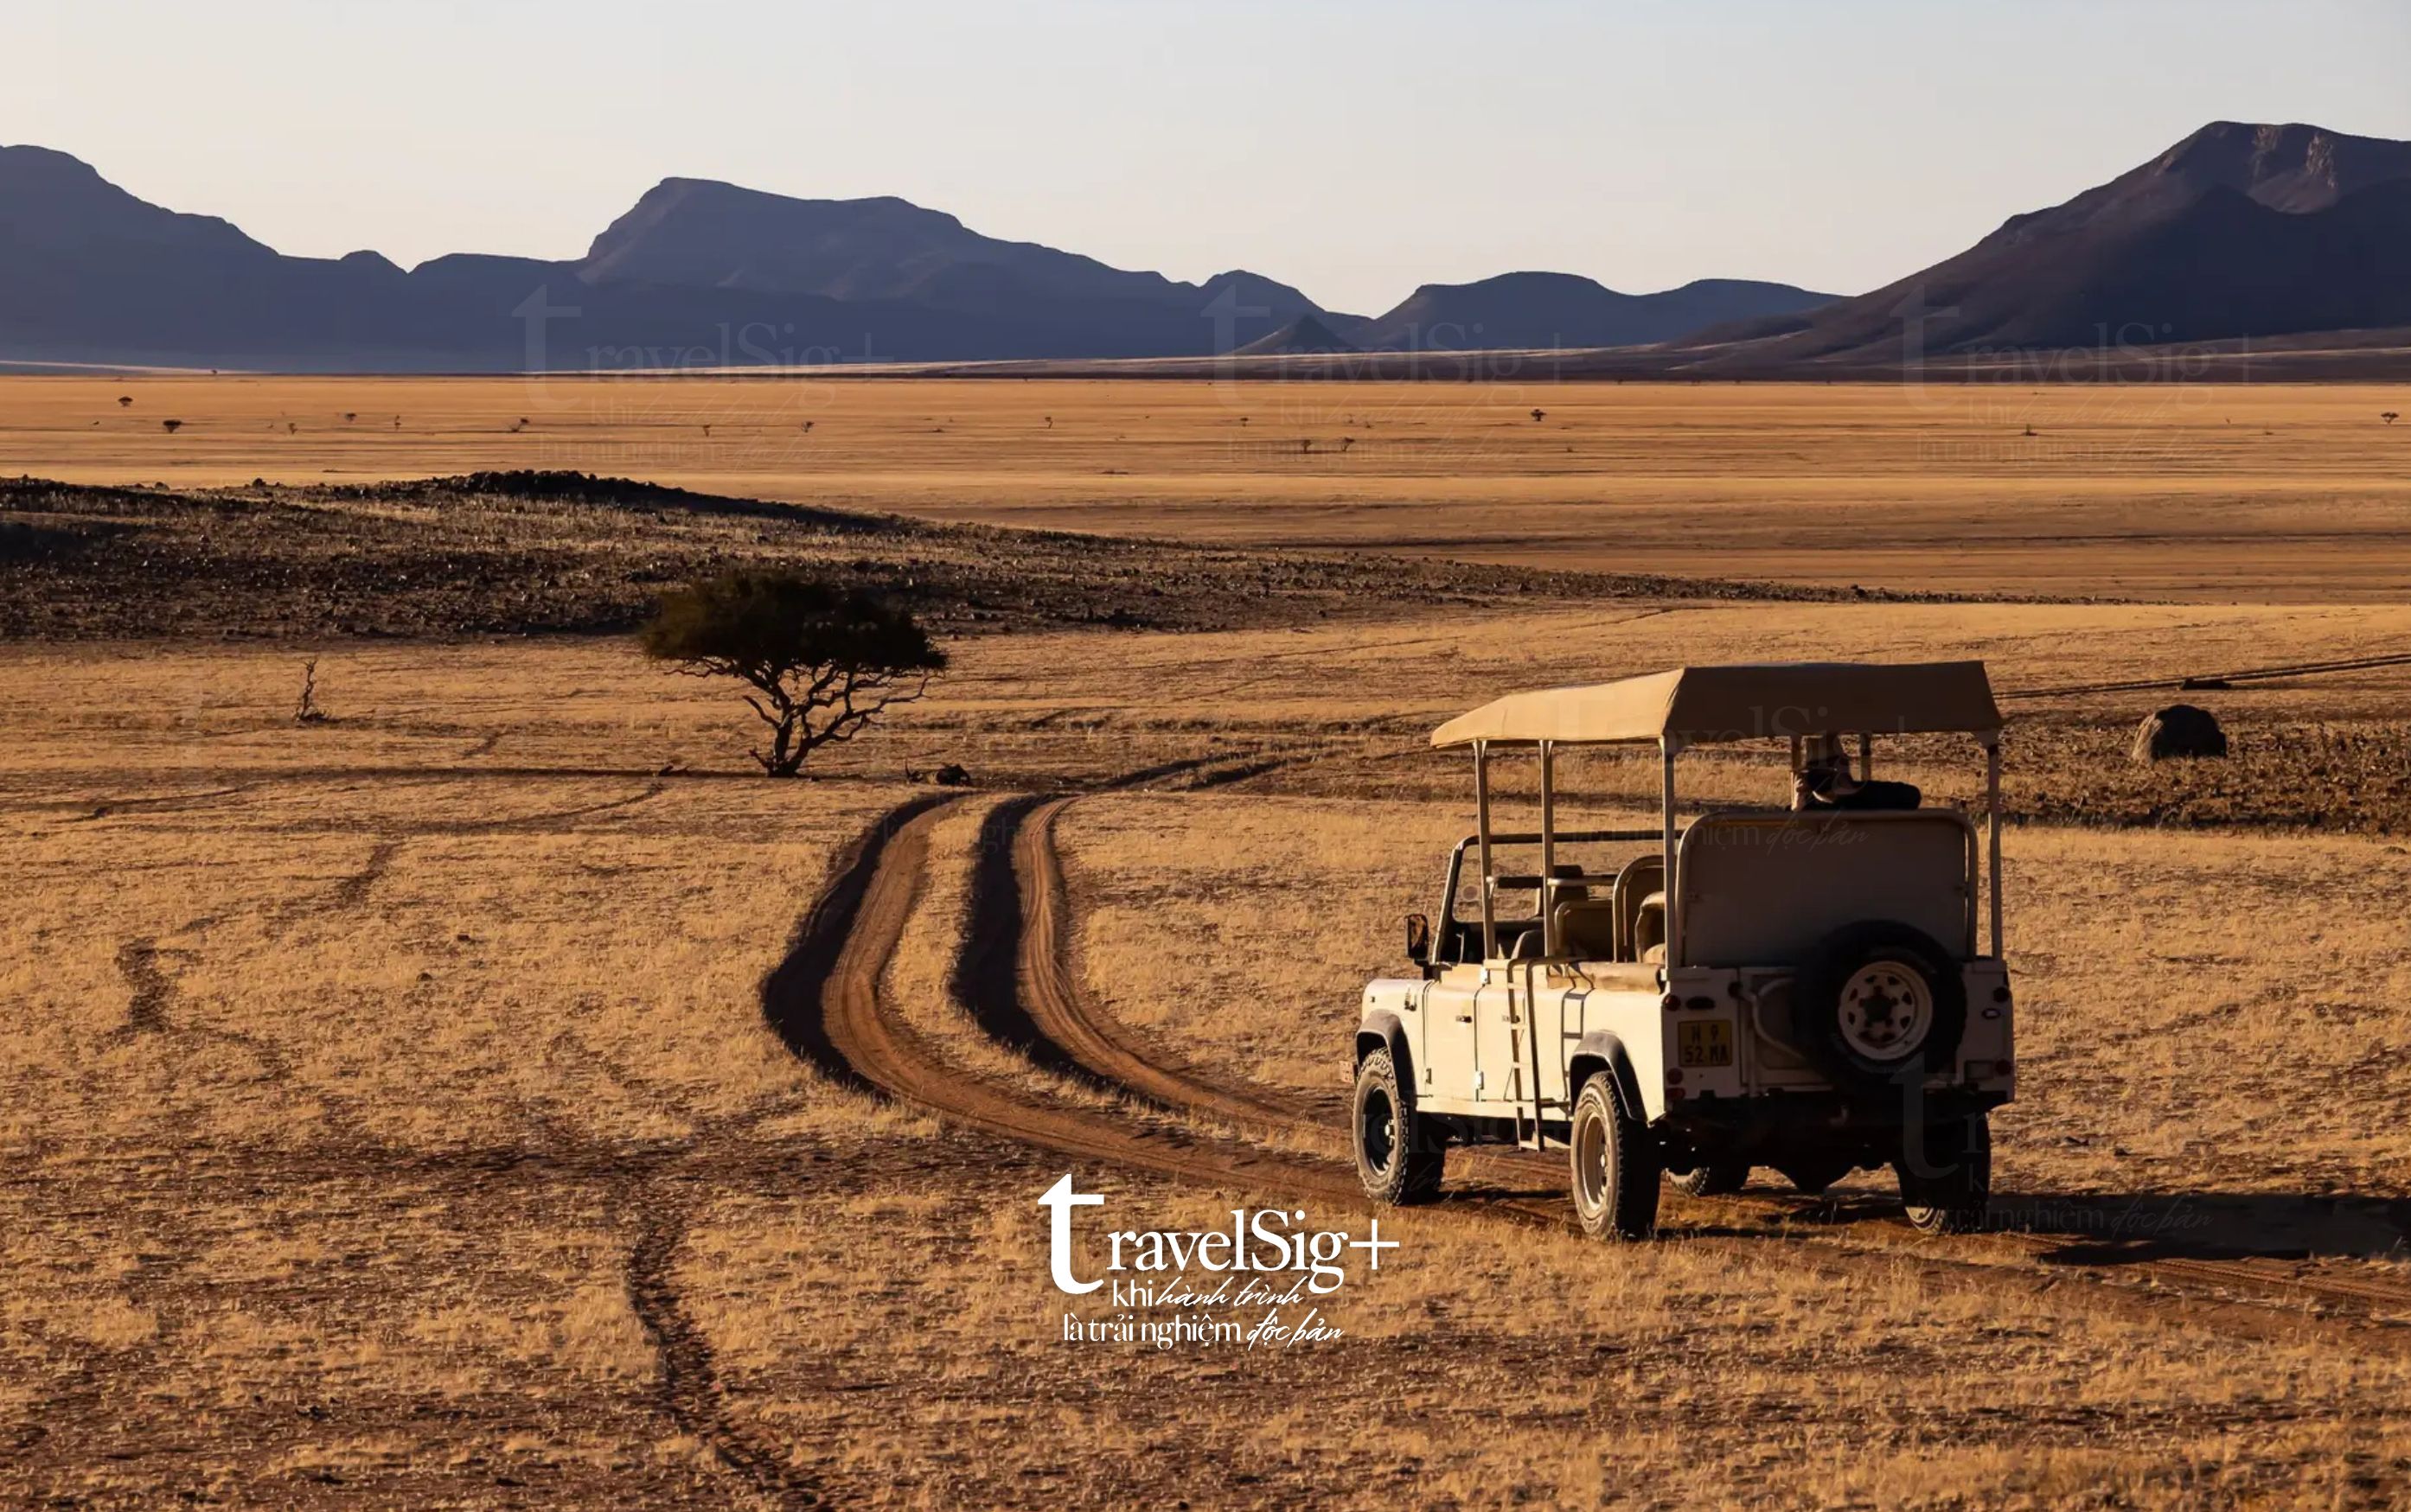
x,y
2210,492
391,1113
391,1117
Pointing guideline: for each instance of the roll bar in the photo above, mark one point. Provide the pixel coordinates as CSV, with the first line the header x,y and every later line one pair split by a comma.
x,y
1667,835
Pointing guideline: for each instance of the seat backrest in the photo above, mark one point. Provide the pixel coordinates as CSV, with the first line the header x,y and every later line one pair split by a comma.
x,y
1586,929
1650,926
1642,876
1761,888
1527,945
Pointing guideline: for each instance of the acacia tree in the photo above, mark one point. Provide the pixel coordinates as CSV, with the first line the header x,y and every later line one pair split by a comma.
x,y
823,664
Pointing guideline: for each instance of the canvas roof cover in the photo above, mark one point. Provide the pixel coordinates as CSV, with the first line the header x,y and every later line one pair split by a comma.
x,y
1704,706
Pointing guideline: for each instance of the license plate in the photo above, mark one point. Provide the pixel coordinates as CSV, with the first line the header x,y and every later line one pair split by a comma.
x,y
1704,1042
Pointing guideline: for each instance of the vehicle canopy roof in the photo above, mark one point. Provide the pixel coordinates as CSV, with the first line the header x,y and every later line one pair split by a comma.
x,y
1707,706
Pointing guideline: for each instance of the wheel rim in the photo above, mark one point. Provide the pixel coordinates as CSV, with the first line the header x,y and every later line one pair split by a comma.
x,y
1590,1160
1377,1127
1887,1010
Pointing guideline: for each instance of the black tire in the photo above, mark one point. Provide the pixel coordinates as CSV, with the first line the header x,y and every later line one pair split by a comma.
x,y
1813,1174
1954,1192
1713,1178
1614,1165
1874,981
1399,1157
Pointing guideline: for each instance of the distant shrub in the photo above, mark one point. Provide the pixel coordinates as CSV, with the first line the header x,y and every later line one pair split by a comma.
x,y
823,663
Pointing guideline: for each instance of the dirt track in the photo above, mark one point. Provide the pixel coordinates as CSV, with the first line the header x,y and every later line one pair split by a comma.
x,y
1067,1015
1025,905
886,1053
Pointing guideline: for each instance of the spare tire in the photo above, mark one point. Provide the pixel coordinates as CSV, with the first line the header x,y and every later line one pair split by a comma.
x,y
1877,999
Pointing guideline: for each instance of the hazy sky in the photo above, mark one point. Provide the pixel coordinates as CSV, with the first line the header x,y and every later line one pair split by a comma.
x,y
1353,148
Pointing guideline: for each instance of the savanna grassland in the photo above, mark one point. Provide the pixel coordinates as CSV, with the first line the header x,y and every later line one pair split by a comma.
x,y
493,1094
2187,491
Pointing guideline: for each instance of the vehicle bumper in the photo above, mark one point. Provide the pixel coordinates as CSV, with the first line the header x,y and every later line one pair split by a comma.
x,y
1776,1122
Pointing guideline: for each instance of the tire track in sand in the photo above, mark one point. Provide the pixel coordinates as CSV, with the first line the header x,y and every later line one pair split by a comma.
x,y
146,1012
793,995
688,1387
870,1046
1061,1011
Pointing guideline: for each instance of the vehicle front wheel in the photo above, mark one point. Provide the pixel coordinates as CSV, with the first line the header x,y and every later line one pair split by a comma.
x,y
1399,1160
1615,1167
1953,1191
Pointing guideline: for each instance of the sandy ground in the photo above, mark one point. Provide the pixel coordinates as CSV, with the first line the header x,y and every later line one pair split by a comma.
x,y
467,1102
2214,492
496,1096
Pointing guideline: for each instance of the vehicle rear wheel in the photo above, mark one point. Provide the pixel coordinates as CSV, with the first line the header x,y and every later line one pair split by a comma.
x,y
1954,1192
1714,1178
1400,1160
1615,1167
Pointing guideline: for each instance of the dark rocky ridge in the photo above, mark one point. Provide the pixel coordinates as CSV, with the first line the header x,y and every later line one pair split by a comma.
x,y
528,553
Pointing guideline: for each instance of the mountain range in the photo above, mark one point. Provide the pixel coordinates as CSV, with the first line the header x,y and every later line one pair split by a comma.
x,y
2238,232
701,273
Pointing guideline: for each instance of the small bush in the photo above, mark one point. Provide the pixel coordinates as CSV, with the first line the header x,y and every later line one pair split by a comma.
x,y
823,663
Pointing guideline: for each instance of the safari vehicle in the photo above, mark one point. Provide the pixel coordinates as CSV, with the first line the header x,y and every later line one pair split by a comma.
x,y
1758,987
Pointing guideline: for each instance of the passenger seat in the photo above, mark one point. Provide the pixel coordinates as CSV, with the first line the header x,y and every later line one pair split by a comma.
x,y
1586,928
1649,930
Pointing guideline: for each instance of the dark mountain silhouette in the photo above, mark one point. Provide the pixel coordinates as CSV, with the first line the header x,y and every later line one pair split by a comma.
x,y
87,268
1257,302
1305,334
51,200
696,234
2237,231
1562,309
697,273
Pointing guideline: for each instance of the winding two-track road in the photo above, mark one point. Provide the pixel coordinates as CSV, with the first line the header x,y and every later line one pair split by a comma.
x,y
1014,978
865,1042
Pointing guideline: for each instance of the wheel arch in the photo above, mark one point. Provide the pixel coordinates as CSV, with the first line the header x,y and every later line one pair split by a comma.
x,y
1603,1050
1382,1030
